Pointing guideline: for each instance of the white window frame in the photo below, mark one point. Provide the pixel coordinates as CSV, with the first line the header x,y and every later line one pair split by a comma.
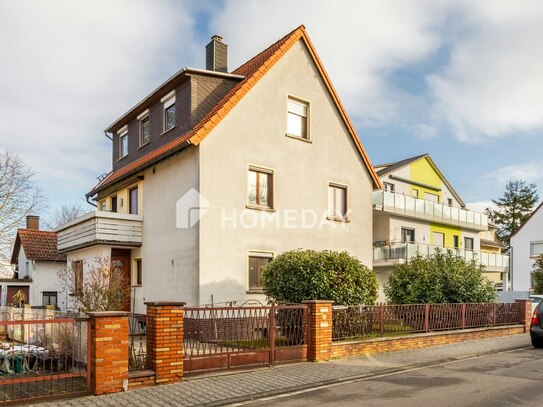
x,y
167,101
307,105
123,133
141,118
532,246
389,187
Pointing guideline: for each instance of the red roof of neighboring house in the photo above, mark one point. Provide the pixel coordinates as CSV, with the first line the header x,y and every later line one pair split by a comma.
x,y
253,70
38,245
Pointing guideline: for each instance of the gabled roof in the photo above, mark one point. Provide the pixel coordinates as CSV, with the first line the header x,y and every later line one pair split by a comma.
x,y
385,169
38,245
527,220
253,70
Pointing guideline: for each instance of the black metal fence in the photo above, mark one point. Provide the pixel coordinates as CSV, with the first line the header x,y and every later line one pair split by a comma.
x,y
137,350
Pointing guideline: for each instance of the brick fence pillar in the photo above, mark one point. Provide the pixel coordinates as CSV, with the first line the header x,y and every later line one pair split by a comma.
x,y
320,330
108,367
525,313
165,340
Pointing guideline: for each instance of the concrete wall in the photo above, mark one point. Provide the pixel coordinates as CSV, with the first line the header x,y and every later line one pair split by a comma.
x,y
521,273
169,254
44,275
254,133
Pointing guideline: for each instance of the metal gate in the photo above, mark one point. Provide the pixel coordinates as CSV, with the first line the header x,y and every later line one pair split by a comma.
x,y
42,357
236,336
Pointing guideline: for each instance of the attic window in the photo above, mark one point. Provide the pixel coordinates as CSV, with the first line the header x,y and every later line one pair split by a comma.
x,y
168,103
297,120
123,142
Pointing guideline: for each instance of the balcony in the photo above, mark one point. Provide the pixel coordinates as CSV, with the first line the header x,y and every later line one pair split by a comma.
x,y
409,206
390,254
100,228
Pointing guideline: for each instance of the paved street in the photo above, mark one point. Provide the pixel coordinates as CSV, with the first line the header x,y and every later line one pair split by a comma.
x,y
237,387
502,379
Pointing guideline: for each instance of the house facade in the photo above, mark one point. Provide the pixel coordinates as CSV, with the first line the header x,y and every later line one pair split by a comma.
x,y
215,173
37,263
526,246
417,212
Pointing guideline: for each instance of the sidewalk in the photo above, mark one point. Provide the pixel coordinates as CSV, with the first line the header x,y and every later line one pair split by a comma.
x,y
236,387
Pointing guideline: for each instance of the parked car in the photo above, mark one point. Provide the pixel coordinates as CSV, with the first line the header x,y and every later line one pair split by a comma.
x,y
536,327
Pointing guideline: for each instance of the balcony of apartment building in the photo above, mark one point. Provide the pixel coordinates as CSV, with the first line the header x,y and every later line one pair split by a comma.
x,y
100,227
408,206
388,254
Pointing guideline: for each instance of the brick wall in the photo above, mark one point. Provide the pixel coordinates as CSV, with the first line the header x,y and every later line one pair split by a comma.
x,y
165,340
320,330
416,341
108,365
526,312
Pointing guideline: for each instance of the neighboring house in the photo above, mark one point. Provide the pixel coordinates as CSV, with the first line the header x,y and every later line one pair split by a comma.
x,y
418,211
264,157
526,246
37,263
492,246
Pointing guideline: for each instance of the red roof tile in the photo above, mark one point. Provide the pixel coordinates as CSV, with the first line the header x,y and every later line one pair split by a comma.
x,y
38,245
253,70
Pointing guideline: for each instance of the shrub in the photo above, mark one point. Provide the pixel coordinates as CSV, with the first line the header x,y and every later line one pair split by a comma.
x,y
299,275
444,277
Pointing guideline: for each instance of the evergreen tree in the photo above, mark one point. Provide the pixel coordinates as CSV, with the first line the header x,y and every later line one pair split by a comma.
x,y
513,208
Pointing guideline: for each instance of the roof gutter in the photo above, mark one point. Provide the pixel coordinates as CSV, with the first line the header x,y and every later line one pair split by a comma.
x,y
108,136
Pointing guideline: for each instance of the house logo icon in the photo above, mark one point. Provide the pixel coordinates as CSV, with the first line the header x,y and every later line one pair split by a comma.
x,y
190,209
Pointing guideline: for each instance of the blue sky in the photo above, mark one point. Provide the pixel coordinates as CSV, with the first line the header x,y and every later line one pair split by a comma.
x,y
461,80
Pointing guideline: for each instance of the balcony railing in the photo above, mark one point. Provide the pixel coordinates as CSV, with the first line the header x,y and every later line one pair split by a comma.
x,y
493,262
100,228
423,209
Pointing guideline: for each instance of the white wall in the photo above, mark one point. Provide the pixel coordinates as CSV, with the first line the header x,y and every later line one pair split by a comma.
x,y
532,231
254,133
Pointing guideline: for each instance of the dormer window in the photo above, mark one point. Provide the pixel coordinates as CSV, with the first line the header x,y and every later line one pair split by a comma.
x,y
123,142
145,128
168,103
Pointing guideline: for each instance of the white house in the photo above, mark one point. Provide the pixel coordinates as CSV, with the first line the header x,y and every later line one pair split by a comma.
x,y
216,172
37,263
526,245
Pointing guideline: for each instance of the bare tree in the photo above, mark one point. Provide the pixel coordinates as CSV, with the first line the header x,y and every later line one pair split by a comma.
x,y
64,214
96,286
19,197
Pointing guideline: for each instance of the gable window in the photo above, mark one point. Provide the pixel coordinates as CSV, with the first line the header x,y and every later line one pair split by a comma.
x,y
49,298
337,201
133,207
257,261
297,118
468,243
536,249
77,269
449,201
168,103
145,128
408,235
123,145
389,187
260,186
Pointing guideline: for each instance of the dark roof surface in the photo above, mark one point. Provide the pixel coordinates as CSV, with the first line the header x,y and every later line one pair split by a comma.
x,y
390,167
38,245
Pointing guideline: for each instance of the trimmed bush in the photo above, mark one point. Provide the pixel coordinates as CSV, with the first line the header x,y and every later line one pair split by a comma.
x,y
299,275
445,277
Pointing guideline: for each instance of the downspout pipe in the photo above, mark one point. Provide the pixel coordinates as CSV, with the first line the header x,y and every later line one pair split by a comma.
x,y
89,202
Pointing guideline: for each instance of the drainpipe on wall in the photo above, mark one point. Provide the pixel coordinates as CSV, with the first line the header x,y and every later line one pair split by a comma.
x,y
34,278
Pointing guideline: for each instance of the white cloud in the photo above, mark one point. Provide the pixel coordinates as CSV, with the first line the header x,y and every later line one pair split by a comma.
x,y
70,68
531,172
493,84
480,206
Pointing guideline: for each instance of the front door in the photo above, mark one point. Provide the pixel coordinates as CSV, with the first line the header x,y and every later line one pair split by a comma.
x,y
120,263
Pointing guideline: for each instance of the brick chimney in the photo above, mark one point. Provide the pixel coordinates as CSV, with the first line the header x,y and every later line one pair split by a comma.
x,y
217,55
33,222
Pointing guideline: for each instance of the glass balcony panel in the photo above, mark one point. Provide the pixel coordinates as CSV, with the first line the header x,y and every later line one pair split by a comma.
x,y
446,211
428,207
388,198
377,197
410,203
477,218
469,217
454,213
399,201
